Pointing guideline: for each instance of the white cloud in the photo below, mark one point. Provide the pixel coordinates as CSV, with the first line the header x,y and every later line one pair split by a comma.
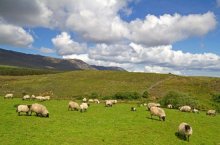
x,y
46,50
166,29
14,35
26,12
159,69
65,45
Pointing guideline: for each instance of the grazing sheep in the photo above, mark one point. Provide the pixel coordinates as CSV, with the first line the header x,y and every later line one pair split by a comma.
x,y
211,112
8,96
84,107
73,106
96,101
40,98
23,108
33,97
169,106
195,110
185,130
108,103
149,105
185,109
47,97
84,100
133,109
39,109
156,111
91,100
25,97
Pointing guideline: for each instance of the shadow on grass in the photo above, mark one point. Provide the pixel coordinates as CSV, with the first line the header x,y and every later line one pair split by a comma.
x,y
181,137
153,118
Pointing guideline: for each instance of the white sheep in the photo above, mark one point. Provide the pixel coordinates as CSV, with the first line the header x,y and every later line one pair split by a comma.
x,y
40,98
23,108
108,103
185,109
185,130
211,112
91,100
195,110
114,101
39,109
133,109
25,97
149,105
33,97
8,96
47,97
73,106
84,100
84,107
170,106
156,111
96,101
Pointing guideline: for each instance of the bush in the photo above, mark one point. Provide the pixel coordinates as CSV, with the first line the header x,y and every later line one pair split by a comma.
x,y
178,99
216,98
94,95
145,94
127,95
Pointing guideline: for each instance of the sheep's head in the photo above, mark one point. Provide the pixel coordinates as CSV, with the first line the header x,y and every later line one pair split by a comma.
x,y
163,118
47,115
187,127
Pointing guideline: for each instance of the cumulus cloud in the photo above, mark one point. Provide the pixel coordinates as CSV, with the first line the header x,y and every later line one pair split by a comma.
x,y
25,12
65,45
166,29
14,35
159,69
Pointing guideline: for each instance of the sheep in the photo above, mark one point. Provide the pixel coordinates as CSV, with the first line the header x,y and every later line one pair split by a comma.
x,y
25,97
8,96
211,112
96,101
185,130
39,109
47,97
149,105
23,108
108,103
40,98
133,109
169,106
156,111
84,107
73,106
33,97
91,100
84,100
195,110
114,101
185,109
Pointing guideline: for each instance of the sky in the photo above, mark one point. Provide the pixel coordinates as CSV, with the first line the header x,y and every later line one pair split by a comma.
x,y
161,36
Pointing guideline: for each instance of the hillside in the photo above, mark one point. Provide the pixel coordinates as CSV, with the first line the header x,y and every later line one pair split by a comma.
x,y
78,84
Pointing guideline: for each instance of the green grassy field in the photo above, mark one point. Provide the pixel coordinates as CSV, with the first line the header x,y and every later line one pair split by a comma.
x,y
78,84
102,126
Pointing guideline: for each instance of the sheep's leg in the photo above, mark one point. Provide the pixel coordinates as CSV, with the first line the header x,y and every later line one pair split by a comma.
x,y
18,113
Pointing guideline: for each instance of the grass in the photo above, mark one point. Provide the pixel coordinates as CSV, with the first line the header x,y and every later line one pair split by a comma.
x,y
102,126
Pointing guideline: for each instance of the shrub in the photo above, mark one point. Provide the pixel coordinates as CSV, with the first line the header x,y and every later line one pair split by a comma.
x,y
127,95
216,98
178,99
94,95
145,94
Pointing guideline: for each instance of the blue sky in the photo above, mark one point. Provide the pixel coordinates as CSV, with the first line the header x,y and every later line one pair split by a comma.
x,y
177,36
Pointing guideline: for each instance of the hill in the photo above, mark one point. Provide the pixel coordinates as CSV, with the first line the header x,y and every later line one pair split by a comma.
x,y
12,58
105,84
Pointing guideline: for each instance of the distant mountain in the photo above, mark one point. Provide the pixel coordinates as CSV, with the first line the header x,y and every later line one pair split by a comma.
x,y
108,68
12,58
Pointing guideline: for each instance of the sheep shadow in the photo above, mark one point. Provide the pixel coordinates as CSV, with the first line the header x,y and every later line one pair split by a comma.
x,y
153,118
181,137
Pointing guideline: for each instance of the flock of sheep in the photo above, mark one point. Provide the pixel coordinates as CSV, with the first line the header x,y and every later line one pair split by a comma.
x,y
184,129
